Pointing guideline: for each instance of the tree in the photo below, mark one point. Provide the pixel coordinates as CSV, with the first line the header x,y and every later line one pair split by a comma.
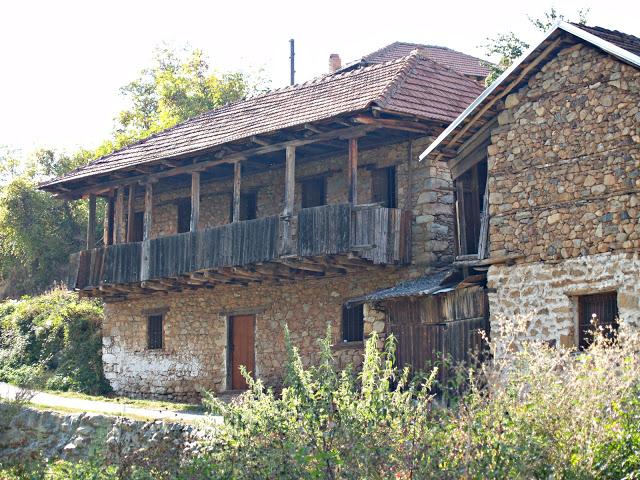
x,y
509,46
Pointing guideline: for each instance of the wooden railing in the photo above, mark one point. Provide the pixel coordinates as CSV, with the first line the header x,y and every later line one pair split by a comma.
x,y
379,235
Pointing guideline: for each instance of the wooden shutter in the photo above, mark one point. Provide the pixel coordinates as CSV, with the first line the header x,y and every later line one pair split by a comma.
x,y
353,323
184,215
154,332
313,193
605,308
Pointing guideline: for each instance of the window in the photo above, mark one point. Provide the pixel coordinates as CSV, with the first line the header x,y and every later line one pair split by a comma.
x,y
138,227
353,323
184,215
313,192
383,187
154,332
248,206
596,311
470,206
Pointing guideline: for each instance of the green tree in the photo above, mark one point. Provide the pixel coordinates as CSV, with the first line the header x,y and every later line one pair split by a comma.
x,y
509,46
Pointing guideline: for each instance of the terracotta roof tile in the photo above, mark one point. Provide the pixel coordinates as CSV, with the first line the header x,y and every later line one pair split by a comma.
x,y
623,40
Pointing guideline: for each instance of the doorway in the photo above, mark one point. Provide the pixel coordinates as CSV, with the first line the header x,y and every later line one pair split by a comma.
x,y
241,349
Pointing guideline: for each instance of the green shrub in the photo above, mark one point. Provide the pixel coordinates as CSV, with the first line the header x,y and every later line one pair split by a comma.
x,y
56,334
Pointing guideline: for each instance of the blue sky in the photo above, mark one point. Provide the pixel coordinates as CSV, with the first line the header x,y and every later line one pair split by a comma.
x,y
63,62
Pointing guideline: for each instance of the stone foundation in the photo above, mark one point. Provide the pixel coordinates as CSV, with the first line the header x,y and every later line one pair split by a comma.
x,y
194,357
549,292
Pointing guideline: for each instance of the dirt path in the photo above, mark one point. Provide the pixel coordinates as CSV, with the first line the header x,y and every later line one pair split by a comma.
x,y
53,401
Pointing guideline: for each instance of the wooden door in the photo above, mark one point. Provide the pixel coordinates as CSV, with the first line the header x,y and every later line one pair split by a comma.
x,y
241,347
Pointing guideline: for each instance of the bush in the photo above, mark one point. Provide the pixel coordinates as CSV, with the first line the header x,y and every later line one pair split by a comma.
x,y
55,336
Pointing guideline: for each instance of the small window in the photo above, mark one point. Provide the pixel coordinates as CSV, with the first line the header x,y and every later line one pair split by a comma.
x,y
383,187
313,193
353,323
597,311
248,206
184,215
138,227
154,332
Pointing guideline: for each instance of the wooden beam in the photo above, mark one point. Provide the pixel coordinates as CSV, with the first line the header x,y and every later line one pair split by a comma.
x,y
259,141
289,198
131,213
341,133
108,220
352,171
91,223
195,201
237,173
392,123
119,217
146,233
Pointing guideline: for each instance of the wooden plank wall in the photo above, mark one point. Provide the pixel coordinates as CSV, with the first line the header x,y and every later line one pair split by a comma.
x,y
324,230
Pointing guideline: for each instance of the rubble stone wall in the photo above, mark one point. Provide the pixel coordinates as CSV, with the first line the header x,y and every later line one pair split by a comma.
x,y
565,161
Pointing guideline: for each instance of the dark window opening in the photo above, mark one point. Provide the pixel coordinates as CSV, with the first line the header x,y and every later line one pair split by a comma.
x,y
154,332
184,215
353,323
138,227
313,193
383,187
598,311
248,206
470,192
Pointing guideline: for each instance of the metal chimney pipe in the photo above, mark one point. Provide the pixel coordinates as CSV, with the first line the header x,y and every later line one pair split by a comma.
x,y
293,62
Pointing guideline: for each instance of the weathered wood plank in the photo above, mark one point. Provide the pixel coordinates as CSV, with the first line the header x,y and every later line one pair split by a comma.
x,y
91,223
195,201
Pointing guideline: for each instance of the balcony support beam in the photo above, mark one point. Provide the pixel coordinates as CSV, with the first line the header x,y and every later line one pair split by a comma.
x,y
352,171
91,223
146,233
289,198
195,201
119,216
237,173
131,212
108,220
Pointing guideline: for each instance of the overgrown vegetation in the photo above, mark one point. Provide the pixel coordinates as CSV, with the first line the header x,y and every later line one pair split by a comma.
x,y
52,341
533,412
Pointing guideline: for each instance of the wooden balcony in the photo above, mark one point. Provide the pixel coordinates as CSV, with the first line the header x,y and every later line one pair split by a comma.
x,y
323,241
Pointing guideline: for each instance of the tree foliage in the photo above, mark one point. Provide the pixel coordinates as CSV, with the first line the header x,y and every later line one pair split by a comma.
x,y
510,46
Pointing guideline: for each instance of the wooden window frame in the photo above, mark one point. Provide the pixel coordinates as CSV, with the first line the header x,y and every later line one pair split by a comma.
x,y
152,336
352,330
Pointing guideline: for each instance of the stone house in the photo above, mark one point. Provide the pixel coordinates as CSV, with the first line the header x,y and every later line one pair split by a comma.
x,y
280,209
546,168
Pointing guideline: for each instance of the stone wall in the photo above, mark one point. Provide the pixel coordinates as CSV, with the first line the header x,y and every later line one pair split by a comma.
x,y
195,331
565,161
27,433
549,292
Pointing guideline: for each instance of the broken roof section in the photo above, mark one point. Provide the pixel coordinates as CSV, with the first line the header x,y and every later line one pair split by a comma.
x,y
621,45
413,86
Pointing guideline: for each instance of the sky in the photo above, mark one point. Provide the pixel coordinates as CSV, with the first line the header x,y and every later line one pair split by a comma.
x,y
63,62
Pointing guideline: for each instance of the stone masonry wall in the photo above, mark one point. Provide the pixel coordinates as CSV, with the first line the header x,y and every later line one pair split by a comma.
x,y
565,161
549,292
564,176
195,332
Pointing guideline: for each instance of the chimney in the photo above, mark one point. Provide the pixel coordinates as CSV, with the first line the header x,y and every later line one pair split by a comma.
x,y
334,62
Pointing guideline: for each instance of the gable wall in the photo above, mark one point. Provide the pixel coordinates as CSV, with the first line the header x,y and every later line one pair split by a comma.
x,y
565,162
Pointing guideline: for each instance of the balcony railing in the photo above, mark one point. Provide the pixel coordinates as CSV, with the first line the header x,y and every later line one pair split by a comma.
x,y
373,234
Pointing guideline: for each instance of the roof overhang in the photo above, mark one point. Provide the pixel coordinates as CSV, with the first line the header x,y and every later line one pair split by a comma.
x,y
497,88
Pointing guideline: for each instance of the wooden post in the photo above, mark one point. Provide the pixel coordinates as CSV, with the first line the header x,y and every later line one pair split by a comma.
x,y
289,196
91,223
119,216
146,234
107,237
131,212
237,172
352,171
195,201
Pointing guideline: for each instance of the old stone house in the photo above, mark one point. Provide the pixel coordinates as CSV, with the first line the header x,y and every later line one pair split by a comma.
x,y
546,168
276,210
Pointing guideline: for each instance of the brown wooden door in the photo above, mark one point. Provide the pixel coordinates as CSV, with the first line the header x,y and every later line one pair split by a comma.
x,y
241,341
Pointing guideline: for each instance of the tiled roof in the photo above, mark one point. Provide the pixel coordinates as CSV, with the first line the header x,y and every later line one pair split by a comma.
x,y
622,40
412,85
458,61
